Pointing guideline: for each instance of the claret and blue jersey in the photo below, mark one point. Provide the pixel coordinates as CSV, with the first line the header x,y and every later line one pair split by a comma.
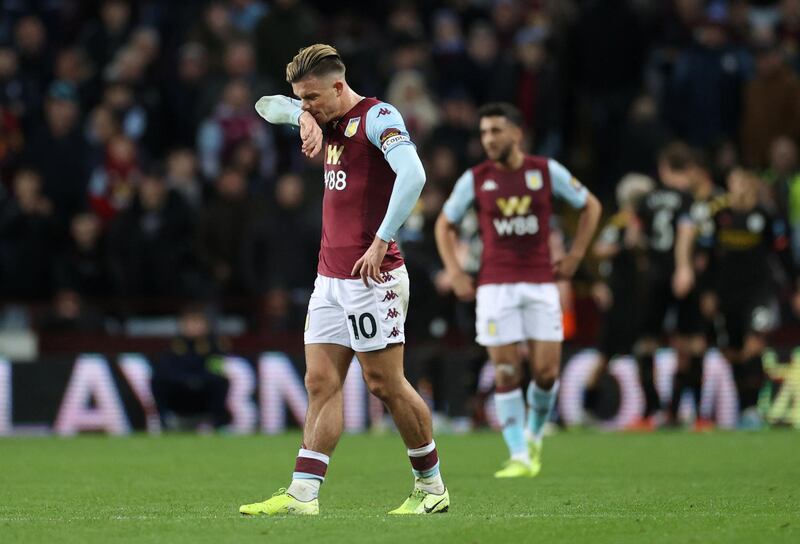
x,y
514,209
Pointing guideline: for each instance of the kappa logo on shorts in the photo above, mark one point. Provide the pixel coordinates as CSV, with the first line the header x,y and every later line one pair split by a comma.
x,y
393,313
395,332
386,276
390,295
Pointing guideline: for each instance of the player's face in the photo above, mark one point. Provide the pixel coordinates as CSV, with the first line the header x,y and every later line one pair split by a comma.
x,y
499,137
320,96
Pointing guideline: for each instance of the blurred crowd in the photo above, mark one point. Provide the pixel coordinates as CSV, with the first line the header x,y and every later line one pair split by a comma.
x,y
134,167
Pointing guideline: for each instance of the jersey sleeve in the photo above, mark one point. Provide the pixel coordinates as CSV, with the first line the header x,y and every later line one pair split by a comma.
x,y
385,127
565,186
461,198
279,110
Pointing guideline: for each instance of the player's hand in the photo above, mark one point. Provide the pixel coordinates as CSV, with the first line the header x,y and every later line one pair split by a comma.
x,y
369,265
463,286
682,281
796,303
564,267
602,295
310,135
709,305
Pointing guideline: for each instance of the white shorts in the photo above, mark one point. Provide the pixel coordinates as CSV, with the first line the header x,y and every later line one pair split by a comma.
x,y
345,312
508,313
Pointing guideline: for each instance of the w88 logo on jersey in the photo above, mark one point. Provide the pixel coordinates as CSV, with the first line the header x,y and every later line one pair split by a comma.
x,y
336,180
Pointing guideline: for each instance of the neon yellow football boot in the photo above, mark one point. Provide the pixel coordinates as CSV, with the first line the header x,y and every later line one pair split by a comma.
x,y
535,451
515,469
281,503
422,502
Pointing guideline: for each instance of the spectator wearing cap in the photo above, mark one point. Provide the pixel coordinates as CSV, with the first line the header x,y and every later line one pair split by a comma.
x,y
58,148
771,105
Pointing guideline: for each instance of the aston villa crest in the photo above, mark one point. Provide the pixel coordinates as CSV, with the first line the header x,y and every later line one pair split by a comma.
x,y
533,179
352,126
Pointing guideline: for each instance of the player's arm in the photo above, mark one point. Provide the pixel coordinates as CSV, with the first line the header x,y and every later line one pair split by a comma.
x,y
446,232
388,133
569,189
779,240
282,110
683,278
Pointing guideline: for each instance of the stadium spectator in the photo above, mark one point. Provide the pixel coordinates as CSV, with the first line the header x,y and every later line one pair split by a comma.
x,y
409,93
233,121
113,184
58,149
221,230
27,239
488,72
783,179
82,266
70,313
536,91
182,177
182,96
150,242
34,58
643,134
101,127
289,26
214,32
245,14
102,39
704,95
771,105
188,381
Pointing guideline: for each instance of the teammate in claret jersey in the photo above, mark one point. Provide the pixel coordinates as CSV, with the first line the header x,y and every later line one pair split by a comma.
x,y
517,298
373,178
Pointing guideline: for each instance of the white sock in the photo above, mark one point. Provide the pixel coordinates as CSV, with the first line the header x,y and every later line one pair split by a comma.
x,y
304,490
432,484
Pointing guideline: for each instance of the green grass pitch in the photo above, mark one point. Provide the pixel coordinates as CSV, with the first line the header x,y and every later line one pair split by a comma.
x,y
668,487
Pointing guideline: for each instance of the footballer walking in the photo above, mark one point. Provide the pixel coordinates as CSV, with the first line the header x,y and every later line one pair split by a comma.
x,y
373,178
517,298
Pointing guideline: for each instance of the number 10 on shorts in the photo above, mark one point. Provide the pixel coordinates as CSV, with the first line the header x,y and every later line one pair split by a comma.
x,y
365,324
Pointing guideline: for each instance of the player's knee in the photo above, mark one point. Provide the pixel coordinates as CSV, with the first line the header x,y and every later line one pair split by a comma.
x,y
321,384
546,377
505,375
379,385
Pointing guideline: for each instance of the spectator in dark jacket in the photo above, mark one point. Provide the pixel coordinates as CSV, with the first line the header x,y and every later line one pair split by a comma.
x,y
58,149
27,237
83,264
150,243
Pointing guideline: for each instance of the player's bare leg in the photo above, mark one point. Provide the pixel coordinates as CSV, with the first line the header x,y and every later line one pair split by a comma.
x,y
326,369
510,408
383,373
545,359
749,376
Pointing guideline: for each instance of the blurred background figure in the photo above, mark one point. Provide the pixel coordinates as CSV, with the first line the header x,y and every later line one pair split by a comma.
x,y
188,381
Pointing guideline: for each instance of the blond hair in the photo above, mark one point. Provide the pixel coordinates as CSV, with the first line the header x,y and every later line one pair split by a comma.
x,y
315,60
